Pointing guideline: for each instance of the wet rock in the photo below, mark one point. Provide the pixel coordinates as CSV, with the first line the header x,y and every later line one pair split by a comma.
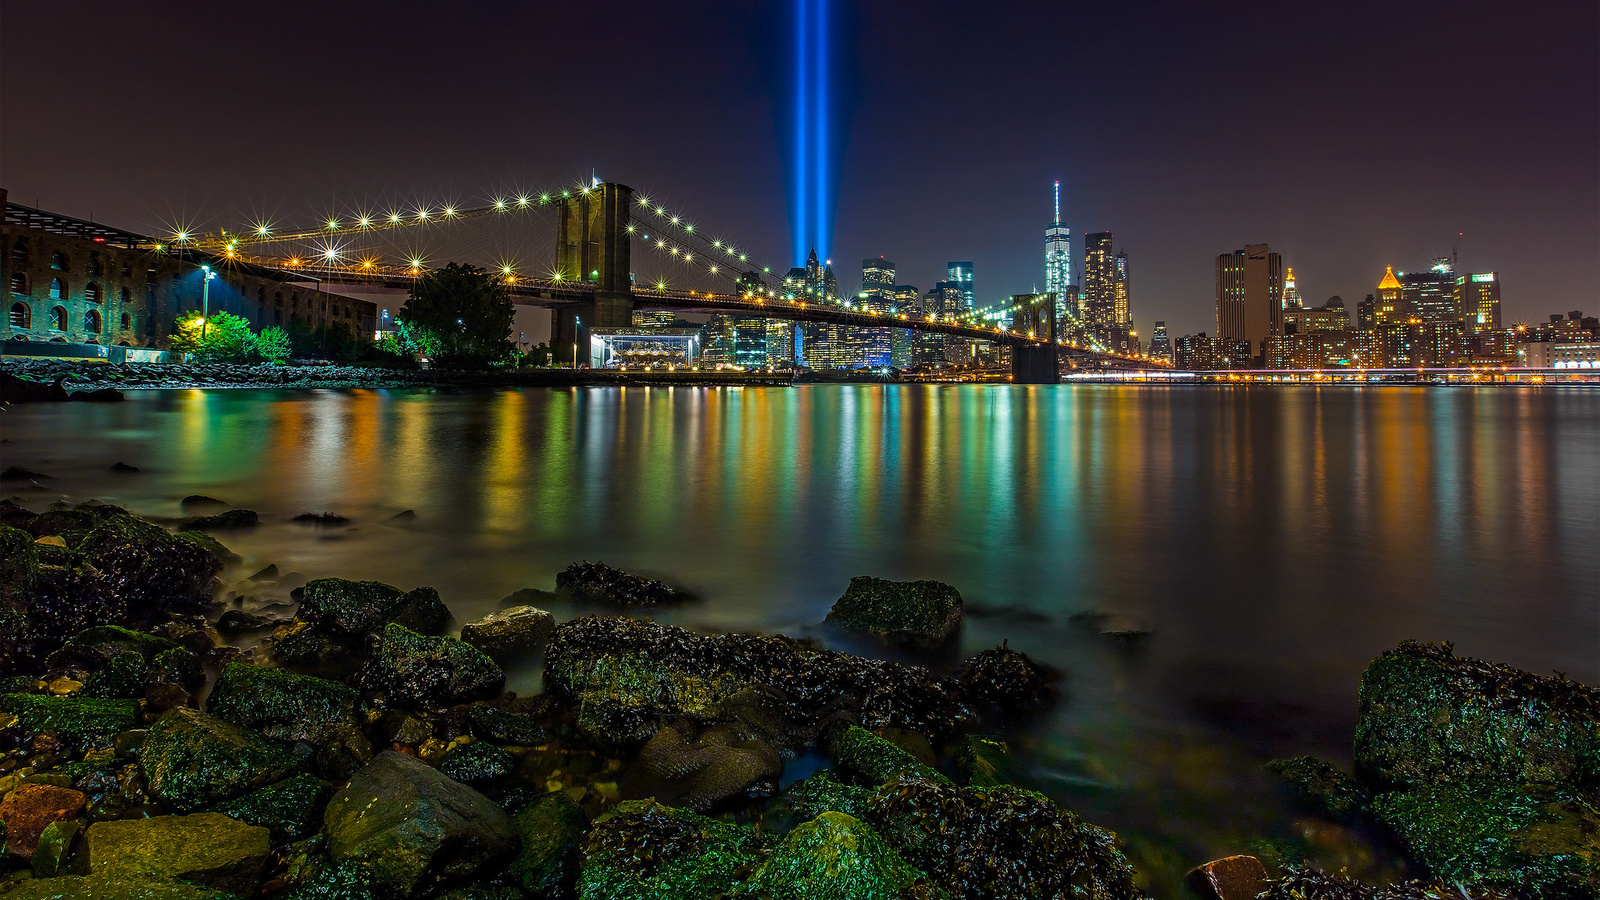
x,y
627,677
1538,838
192,760
1007,680
985,761
29,808
290,810
409,827
915,613
235,622
147,566
414,669
1307,883
205,849
502,725
510,633
1427,715
97,887
18,473
123,468
195,503
823,792
342,751
54,846
15,389
233,518
322,520
98,395
477,763
403,517
270,573
589,582
551,827
1229,878
362,607
121,676
530,597
80,723
837,857
701,770
998,843
95,646
1321,788
864,758
281,705
643,850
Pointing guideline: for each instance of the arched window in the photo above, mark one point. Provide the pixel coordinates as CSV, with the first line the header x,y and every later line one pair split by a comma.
x,y
92,293
19,253
58,261
19,284
94,263
58,318
21,315
127,322
277,317
294,303
91,321
58,289
124,296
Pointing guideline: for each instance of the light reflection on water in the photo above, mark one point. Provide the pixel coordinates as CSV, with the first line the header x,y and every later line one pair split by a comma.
x,y
1274,540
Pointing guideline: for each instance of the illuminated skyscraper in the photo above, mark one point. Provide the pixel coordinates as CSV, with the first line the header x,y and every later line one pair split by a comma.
x,y
1391,305
1160,343
1431,295
1058,263
1479,296
1099,282
960,274
1291,294
877,295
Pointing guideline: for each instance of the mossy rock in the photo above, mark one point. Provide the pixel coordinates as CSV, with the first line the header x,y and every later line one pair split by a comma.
x,y
180,666
1427,715
211,545
823,792
507,727
1535,838
290,809
866,759
920,613
415,669
99,887
479,762
1321,787
102,642
282,705
998,843
147,567
79,722
836,857
362,607
330,882
206,849
642,850
19,558
985,761
551,827
192,760
121,676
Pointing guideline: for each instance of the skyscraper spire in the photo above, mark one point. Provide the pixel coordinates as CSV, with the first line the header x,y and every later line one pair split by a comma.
x,y
1057,219
1058,263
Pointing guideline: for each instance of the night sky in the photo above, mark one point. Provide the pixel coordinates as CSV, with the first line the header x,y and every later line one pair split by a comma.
x,y
1350,138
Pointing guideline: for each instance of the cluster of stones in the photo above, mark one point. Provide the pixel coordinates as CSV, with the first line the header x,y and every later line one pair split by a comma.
x,y
362,750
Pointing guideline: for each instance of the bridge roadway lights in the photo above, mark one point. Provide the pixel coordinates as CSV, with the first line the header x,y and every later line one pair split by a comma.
x,y
1035,365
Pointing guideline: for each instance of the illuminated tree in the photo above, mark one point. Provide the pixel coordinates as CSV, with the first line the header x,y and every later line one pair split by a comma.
x,y
466,310
224,337
272,344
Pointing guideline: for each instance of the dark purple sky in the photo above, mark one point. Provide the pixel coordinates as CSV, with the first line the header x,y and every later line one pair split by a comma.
x,y
1350,138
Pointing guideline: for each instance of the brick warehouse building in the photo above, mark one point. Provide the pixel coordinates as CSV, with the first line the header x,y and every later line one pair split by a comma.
x,y
77,282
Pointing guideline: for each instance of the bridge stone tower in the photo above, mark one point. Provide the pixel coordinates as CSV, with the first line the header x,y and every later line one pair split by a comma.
x,y
592,247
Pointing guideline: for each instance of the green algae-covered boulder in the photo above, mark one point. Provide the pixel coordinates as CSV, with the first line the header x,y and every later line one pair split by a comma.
x,y
642,850
330,882
1321,787
362,607
864,758
192,760
985,761
282,705
410,828
505,726
290,809
835,857
145,565
205,849
121,676
551,827
18,558
104,641
998,843
99,887
510,633
414,669
824,792
81,723
1427,715
477,763
920,613
1542,840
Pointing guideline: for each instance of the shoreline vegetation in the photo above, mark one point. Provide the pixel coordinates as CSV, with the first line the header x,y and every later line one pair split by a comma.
x,y
161,743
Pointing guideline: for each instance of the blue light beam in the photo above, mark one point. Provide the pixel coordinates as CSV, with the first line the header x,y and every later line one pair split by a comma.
x,y
812,202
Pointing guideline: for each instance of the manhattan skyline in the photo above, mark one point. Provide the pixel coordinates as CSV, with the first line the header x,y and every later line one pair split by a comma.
x,y
1390,132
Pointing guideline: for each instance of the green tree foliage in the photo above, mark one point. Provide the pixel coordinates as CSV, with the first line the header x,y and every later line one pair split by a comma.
x,y
222,338
409,341
272,344
467,310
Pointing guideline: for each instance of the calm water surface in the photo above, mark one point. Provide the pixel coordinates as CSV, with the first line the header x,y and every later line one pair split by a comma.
x,y
1272,540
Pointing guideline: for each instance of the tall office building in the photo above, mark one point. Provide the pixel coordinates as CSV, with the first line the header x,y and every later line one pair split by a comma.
x,y
1291,293
1058,263
877,295
1431,295
1391,305
1249,293
1122,304
877,274
1160,343
906,299
1479,296
960,274
1099,303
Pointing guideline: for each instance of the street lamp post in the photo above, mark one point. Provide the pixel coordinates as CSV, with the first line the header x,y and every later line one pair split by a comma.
x,y
205,301
577,325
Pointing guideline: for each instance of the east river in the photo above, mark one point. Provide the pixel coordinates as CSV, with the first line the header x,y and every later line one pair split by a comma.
x,y
1270,540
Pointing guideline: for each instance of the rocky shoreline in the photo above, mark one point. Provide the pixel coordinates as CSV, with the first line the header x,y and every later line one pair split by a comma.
x,y
157,743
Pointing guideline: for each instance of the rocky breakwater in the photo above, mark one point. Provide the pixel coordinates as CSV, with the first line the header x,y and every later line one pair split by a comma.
x,y
41,378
